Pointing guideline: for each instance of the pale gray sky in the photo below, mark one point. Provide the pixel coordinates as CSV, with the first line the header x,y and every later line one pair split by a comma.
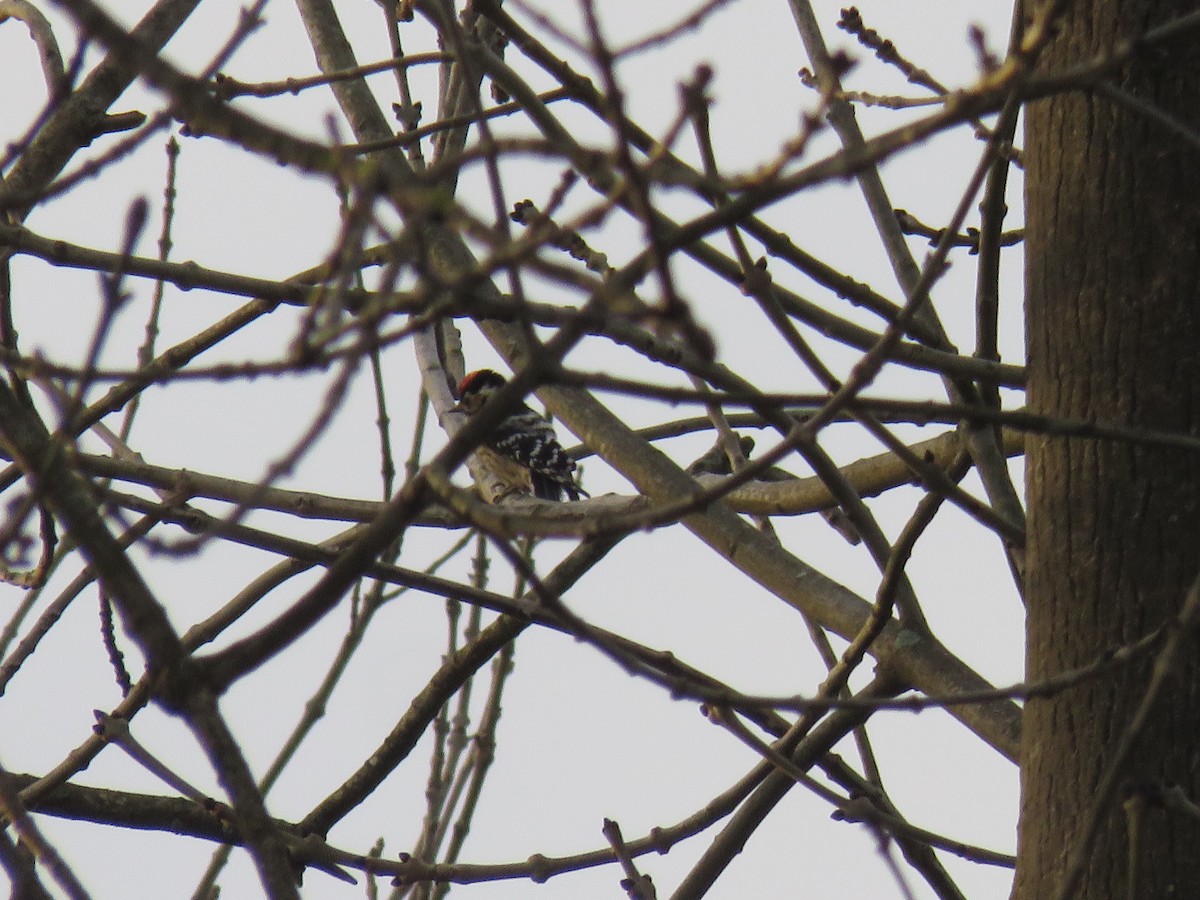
x,y
579,740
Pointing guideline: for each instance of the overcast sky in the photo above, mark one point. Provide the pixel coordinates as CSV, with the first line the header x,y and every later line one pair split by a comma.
x,y
579,739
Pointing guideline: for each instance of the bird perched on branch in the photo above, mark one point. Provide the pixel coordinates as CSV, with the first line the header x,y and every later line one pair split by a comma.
x,y
525,445
716,461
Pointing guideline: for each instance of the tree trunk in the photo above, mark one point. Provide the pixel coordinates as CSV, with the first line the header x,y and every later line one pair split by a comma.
x,y
1113,319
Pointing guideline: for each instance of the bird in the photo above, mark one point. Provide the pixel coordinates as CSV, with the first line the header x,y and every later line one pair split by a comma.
x,y
715,461
524,442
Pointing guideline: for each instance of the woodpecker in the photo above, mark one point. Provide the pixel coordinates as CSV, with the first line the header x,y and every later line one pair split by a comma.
x,y
523,437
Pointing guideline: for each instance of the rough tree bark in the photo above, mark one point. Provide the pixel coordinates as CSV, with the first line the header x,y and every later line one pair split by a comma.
x,y
1113,244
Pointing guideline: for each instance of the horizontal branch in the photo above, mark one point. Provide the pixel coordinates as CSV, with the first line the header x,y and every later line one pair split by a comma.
x,y
176,815
305,290
870,476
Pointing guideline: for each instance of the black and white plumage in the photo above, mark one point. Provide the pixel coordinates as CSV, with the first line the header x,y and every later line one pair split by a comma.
x,y
523,437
